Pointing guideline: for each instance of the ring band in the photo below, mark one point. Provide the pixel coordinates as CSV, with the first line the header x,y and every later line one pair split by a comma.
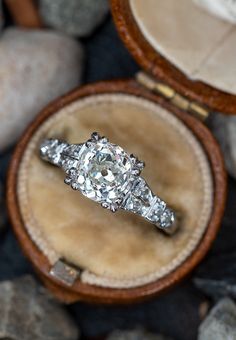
x,y
105,173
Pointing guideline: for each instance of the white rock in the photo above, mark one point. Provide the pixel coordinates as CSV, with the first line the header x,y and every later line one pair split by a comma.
x,y
224,9
224,129
35,68
220,324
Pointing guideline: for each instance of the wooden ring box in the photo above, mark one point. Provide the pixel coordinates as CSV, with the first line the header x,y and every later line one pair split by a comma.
x,y
83,252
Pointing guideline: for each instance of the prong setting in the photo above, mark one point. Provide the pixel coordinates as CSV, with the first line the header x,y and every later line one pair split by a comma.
x,y
138,165
95,136
113,207
67,180
104,139
89,143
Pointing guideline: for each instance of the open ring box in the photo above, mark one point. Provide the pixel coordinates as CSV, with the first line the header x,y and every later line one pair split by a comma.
x,y
84,252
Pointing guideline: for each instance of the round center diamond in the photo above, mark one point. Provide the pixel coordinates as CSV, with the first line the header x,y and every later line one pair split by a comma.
x,y
104,171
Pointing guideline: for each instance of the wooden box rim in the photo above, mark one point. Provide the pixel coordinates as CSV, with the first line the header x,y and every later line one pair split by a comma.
x,y
154,63
85,292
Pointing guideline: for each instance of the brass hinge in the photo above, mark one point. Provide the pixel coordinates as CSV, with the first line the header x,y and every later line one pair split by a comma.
x,y
175,98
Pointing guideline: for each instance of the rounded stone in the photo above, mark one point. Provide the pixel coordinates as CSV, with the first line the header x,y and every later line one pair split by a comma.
x,y
75,17
105,171
36,66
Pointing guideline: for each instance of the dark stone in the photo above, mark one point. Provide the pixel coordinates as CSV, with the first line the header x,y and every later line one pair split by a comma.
x,y
220,324
28,312
136,334
175,314
76,17
216,289
215,276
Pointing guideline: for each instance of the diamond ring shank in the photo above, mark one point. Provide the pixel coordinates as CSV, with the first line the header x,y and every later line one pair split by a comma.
x,y
105,173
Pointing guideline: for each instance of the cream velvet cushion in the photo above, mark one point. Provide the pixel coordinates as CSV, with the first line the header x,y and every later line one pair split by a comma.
x,y
198,43
121,249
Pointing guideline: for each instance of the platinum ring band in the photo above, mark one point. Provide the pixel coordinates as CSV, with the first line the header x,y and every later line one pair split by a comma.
x,y
105,173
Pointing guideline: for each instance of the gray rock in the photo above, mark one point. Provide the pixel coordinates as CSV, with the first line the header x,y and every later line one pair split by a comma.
x,y
28,312
220,324
216,288
35,68
224,129
136,334
76,17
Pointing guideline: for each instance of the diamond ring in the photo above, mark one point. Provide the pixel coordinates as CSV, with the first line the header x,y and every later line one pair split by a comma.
x,y
105,173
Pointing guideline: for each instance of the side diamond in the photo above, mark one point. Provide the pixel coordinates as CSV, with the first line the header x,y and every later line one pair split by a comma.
x,y
166,219
51,150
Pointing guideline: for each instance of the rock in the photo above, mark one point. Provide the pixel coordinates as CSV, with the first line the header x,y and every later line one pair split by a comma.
x,y
28,312
215,277
137,334
216,289
224,129
76,17
224,9
35,68
220,323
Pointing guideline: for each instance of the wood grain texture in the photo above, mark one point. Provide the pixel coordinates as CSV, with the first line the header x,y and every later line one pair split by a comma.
x,y
85,292
155,64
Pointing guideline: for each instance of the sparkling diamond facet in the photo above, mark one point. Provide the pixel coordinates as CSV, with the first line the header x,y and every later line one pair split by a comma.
x,y
104,171
166,219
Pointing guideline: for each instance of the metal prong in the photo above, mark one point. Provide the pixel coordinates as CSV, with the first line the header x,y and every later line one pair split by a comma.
x,y
136,172
104,139
133,158
89,143
140,165
95,136
74,186
119,201
105,205
67,180
113,207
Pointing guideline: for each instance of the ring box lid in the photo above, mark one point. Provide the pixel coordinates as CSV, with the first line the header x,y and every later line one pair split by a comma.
x,y
197,70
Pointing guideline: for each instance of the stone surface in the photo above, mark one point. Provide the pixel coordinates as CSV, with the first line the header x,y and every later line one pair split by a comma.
x,y
220,323
28,312
224,129
136,334
216,288
35,68
215,276
76,17
224,9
